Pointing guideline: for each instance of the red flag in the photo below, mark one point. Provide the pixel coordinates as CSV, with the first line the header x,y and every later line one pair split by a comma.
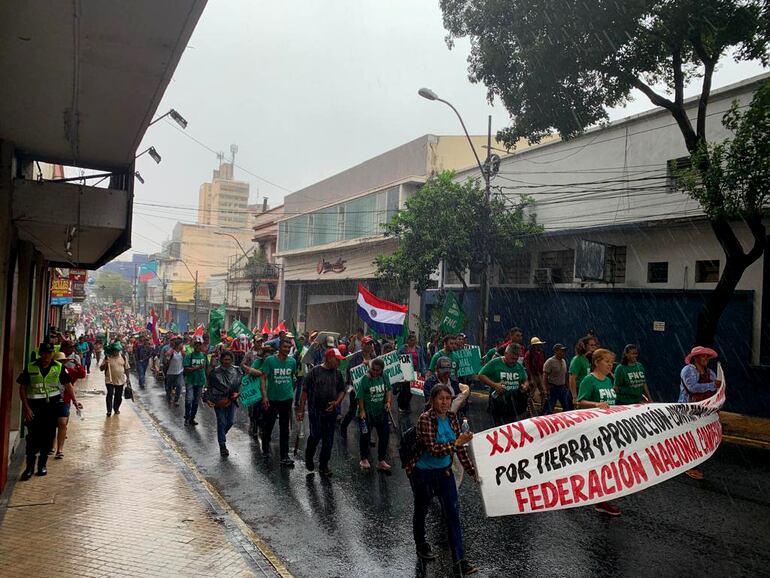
x,y
281,327
152,326
199,331
265,328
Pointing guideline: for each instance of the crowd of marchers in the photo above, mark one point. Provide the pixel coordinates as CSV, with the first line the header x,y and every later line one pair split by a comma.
x,y
299,379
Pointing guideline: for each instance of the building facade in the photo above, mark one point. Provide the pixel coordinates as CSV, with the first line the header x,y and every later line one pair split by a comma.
x,y
224,202
625,253
332,231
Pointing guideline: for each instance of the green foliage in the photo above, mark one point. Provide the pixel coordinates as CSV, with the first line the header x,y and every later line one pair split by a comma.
x,y
731,179
113,286
444,221
558,64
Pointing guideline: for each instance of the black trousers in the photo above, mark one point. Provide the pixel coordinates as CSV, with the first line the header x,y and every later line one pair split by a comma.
x,y
114,397
404,398
41,430
280,410
379,423
350,414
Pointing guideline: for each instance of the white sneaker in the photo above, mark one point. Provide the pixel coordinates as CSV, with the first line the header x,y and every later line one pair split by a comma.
x,y
365,465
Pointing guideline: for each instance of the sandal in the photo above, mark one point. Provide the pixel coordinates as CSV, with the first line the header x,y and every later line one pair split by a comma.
x,y
59,455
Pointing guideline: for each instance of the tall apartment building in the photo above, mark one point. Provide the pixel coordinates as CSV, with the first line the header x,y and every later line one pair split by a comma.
x,y
224,201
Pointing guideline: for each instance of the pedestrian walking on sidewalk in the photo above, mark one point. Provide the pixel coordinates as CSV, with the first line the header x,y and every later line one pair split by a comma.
x,y
40,390
196,366
278,374
430,473
222,394
115,368
374,401
323,391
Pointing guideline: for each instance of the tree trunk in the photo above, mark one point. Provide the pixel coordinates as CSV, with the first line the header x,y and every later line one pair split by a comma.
x,y
718,300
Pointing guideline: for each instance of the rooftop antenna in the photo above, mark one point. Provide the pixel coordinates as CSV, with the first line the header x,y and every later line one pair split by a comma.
x,y
220,156
233,151
264,204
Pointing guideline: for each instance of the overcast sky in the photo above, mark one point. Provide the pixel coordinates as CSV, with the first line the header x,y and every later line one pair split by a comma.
x,y
306,90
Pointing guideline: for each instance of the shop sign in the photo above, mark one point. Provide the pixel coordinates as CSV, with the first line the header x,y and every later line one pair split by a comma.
x,y
325,266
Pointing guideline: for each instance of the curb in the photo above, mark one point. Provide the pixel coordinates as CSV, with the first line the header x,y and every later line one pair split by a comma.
x,y
211,490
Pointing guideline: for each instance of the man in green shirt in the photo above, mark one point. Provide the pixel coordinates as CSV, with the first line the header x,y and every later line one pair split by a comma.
x,y
374,400
507,381
450,344
278,375
196,370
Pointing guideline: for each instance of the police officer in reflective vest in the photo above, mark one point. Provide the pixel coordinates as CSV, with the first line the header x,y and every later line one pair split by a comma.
x,y
40,389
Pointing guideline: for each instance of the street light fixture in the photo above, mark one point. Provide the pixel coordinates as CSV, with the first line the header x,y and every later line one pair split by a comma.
x,y
178,118
486,171
153,153
138,177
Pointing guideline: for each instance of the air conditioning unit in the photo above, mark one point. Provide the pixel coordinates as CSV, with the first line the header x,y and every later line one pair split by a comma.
x,y
544,276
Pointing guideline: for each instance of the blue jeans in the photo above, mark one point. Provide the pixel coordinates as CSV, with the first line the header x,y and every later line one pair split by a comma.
x,y
174,382
141,369
225,419
322,424
439,483
192,393
560,393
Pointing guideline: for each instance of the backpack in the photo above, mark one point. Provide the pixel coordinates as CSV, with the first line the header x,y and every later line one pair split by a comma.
x,y
407,446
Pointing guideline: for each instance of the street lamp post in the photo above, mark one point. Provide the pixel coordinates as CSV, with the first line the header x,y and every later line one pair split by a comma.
x,y
252,317
486,173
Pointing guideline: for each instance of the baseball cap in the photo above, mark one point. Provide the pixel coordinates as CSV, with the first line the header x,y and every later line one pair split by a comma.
x,y
45,347
559,346
333,352
443,365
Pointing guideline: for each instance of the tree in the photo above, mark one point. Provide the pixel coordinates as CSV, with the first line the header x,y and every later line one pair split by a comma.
x,y
113,287
443,221
559,64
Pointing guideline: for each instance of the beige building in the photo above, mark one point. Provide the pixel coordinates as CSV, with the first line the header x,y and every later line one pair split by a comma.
x,y
224,202
332,231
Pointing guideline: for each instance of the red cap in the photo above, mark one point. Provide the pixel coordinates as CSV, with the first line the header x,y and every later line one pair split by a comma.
x,y
367,339
333,352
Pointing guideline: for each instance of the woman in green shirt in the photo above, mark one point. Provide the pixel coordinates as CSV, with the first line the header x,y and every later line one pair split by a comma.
x,y
580,366
596,392
630,378
374,400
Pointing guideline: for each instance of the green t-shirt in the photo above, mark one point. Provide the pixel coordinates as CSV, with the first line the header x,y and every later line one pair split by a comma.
x,y
597,390
373,393
490,355
279,377
630,380
511,376
579,367
198,361
438,355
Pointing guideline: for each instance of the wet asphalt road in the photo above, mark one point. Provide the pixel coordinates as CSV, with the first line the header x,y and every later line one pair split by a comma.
x,y
359,524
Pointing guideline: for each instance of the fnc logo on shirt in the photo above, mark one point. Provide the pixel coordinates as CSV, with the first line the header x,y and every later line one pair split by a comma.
x,y
510,379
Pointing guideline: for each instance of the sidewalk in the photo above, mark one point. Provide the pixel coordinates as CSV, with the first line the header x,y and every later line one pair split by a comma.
x,y
118,504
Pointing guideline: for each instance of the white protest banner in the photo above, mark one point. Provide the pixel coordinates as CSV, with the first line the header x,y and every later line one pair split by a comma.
x,y
397,368
587,456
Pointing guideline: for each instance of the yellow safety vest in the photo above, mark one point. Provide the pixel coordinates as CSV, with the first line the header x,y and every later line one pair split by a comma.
x,y
43,387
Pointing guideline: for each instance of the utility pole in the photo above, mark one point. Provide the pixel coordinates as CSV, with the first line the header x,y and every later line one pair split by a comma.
x,y
195,306
484,284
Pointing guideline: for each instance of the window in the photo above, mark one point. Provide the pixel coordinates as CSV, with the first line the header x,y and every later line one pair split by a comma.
x,y
324,227
561,264
360,217
706,271
615,264
657,272
517,272
675,167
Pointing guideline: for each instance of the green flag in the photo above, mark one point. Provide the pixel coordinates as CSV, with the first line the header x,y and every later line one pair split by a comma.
x,y
452,315
216,322
238,328
401,339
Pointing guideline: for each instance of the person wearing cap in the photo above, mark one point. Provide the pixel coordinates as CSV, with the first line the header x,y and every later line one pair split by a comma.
x,y
40,391
507,381
195,376
555,381
322,393
278,374
115,368
534,359
442,375
374,400
359,357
